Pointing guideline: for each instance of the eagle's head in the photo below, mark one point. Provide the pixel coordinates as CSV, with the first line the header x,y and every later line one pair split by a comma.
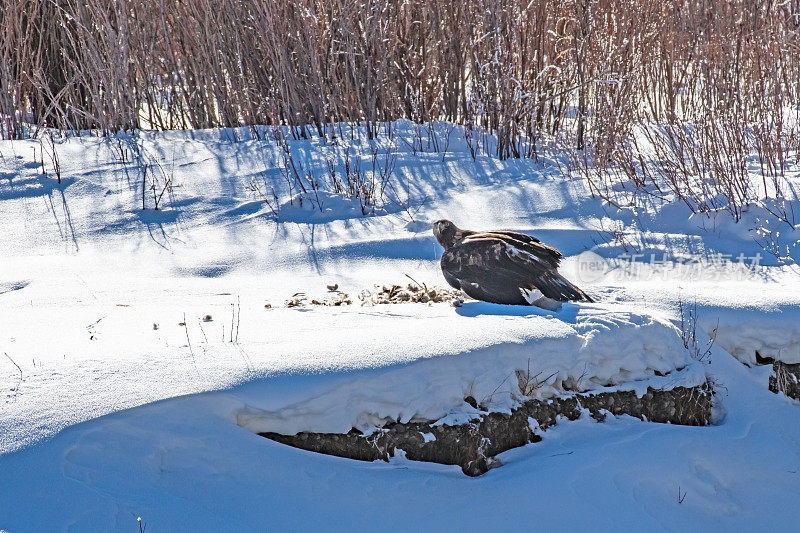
x,y
446,233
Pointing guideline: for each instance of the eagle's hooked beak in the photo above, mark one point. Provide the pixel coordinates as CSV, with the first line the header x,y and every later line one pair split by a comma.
x,y
444,231
437,229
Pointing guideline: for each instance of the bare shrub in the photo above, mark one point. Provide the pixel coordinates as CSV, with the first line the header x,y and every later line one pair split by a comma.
x,y
368,187
260,189
47,145
688,328
653,97
529,383
155,178
694,103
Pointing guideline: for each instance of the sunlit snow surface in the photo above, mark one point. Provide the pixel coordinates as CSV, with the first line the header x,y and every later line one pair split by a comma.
x,y
93,292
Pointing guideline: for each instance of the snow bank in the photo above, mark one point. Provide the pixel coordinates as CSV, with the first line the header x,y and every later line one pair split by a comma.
x,y
744,333
579,348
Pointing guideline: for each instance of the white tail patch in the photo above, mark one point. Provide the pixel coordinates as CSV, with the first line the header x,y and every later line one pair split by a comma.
x,y
535,297
530,295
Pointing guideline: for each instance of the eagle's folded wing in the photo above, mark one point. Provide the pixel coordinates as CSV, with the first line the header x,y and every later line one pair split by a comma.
x,y
506,270
521,248
524,237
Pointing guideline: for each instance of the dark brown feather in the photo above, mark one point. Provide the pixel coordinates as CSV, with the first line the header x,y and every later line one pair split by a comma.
x,y
502,266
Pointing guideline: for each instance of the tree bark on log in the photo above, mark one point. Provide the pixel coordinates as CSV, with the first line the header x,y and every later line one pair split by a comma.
x,y
785,378
474,445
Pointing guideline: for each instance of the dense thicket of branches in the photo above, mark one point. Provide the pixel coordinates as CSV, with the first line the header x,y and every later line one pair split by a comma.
x,y
520,68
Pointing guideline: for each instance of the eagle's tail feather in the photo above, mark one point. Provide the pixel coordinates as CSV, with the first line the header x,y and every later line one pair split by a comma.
x,y
560,288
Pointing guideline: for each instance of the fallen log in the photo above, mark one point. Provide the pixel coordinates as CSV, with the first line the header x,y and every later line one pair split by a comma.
x,y
474,445
785,378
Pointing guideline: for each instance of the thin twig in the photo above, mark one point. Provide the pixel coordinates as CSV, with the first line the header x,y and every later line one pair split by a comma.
x,y
15,364
16,389
238,316
186,328
421,285
205,338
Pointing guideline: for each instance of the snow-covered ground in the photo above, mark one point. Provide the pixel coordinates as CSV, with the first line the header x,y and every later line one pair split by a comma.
x,y
142,348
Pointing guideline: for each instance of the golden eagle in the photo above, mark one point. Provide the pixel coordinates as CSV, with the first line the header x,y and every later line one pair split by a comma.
x,y
504,267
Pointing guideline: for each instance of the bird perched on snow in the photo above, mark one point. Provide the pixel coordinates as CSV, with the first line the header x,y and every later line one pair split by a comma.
x,y
504,267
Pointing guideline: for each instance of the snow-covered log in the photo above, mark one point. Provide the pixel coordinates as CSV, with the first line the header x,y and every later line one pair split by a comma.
x,y
474,445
